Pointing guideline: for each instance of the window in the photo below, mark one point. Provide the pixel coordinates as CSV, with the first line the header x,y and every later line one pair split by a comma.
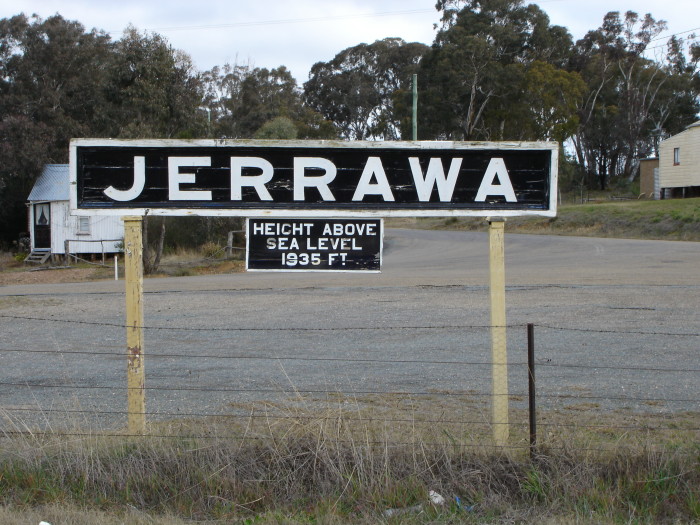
x,y
42,214
83,225
676,156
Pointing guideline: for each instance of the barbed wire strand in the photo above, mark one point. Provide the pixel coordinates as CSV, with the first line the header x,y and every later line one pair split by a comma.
x,y
263,414
351,360
345,392
350,328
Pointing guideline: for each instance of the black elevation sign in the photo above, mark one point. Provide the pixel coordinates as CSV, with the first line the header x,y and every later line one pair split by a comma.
x,y
314,244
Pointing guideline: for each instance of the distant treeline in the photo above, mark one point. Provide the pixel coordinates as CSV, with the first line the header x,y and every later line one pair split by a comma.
x,y
497,70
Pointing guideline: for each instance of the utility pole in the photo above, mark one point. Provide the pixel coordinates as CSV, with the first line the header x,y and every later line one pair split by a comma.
x,y
415,107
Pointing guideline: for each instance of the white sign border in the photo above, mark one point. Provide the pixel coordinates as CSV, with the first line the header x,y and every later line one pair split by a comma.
x,y
339,213
311,270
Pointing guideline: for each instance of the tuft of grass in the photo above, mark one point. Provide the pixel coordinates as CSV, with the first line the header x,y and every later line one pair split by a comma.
x,y
10,261
211,250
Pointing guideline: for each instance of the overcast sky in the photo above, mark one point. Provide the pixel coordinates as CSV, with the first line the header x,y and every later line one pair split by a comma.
x,y
299,33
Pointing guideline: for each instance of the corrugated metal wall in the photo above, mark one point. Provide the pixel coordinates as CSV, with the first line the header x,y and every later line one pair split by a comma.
x,y
109,230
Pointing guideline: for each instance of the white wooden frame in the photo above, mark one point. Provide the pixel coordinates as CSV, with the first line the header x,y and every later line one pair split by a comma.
x,y
326,211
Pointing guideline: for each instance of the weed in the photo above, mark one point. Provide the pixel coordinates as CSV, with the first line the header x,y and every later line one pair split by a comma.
x,y
535,485
211,250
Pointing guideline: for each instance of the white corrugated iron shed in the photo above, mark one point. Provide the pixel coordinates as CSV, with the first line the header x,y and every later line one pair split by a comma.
x,y
52,226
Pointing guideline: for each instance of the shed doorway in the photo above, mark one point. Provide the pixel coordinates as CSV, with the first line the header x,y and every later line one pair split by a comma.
x,y
42,226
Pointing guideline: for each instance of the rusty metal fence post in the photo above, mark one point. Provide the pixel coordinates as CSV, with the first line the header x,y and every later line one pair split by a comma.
x,y
532,409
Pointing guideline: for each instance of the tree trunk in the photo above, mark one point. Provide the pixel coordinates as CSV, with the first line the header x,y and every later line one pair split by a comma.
x,y
161,241
151,260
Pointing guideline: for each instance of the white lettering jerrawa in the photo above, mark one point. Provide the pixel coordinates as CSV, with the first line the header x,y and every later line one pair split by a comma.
x,y
373,181
488,188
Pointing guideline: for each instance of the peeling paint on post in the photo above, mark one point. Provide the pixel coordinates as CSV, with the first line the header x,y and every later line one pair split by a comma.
x,y
136,374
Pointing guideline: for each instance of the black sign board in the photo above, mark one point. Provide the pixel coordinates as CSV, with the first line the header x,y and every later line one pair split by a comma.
x,y
336,245
306,178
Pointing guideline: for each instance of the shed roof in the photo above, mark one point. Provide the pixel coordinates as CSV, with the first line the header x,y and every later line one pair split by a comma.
x,y
52,185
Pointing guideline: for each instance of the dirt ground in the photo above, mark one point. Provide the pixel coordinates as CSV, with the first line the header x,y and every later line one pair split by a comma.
x,y
13,272
53,275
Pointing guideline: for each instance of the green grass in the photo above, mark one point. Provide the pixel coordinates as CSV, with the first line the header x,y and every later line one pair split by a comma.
x,y
672,219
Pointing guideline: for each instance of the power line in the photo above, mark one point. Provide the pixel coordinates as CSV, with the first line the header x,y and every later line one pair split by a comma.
x,y
674,34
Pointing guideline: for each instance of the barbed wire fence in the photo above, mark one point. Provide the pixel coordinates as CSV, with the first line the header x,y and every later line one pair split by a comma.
x,y
76,385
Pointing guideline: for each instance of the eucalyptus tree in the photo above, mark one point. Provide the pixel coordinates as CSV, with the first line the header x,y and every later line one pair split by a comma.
x,y
632,100
476,73
678,102
357,90
51,77
153,90
241,100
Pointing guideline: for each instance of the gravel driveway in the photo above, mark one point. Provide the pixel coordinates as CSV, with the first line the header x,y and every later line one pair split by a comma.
x,y
616,328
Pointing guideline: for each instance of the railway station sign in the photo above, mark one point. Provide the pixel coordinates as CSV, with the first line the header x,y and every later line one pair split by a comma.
x,y
311,244
312,178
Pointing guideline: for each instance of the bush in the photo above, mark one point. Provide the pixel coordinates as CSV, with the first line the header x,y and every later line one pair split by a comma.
x,y
210,250
193,232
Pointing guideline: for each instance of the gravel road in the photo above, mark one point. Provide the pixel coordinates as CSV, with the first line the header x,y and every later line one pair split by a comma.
x,y
616,328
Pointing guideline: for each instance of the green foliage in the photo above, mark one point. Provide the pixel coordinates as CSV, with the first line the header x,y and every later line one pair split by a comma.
x,y
192,232
51,76
357,89
477,71
554,95
631,101
153,90
280,128
497,70
240,101
535,485
58,82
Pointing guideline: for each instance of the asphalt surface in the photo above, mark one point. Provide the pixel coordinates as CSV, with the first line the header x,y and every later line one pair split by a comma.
x,y
617,327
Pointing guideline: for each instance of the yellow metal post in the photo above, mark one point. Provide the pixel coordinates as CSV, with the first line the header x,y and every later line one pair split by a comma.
x,y
499,355
135,372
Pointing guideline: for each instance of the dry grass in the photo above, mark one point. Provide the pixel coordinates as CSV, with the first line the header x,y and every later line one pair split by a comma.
x,y
341,459
675,219
177,264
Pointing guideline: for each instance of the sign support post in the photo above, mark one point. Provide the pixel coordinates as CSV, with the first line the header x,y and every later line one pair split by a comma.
x,y
136,374
313,179
499,355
